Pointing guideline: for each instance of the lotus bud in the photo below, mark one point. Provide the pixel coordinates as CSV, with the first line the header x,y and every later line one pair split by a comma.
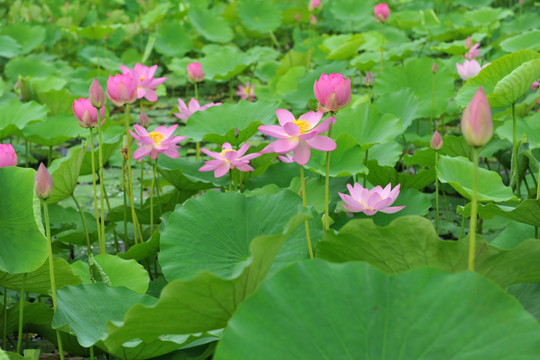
x,y
436,142
368,80
43,185
381,12
468,43
476,123
97,95
434,68
195,72
143,119
8,157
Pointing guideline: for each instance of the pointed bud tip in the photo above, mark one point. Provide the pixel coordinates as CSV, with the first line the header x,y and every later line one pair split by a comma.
x,y
436,142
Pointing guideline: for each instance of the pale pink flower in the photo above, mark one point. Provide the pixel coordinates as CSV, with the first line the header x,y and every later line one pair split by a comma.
x,y
228,159
368,80
469,69
246,92
195,72
381,12
371,201
333,92
476,123
155,142
473,52
186,112
86,113
146,83
299,135
313,4
312,19
535,86
96,94
43,183
8,156
436,142
122,89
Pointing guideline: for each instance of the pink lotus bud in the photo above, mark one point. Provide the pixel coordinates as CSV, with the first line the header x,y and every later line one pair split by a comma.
x,y
195,72
86,113
476,122
332,91
8,157
122,89
143,119
468,43
434,68
312,19
368,80
535,86
43,183
381,12
436,142
97,95
313,4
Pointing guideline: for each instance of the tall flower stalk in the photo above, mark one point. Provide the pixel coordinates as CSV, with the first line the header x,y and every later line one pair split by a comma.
x,y
436,144
381,13
304,202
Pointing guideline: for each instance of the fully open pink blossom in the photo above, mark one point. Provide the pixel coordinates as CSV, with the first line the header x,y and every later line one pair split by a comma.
x,y
146,83
333,92
246,92
228,159
299,135
476,123
186,112
195,72
469,69
155,142
371,201
8,156
381,12
86,113
122,89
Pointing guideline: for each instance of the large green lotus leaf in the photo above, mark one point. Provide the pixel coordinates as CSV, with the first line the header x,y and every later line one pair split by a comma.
x,y
367,125
346,160
28,36
59,101
417,75
39,280
403,103
458,172
36,313
204,303
126,273
486,16
224,62
410,242
259,15
218,123
529,127
156,15
9,47
16,115
213,232
65,173
54,131
184,174
491,75
383,175
415,201
370,315
95,31
527,40
167,40
210,25
350,10
516,84
29,66
529,296
23,246
527,211
7,355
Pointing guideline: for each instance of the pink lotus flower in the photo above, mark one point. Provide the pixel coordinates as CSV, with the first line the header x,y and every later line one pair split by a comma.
x,y
476,123
43,183
246,92
333,92
122,89
195,72
312,19
381,12
155,142
8,156
469,69
186,112
436,142
96,94
535,86
287,158
299,135
228,159
86,113
313,4
371,201
146,83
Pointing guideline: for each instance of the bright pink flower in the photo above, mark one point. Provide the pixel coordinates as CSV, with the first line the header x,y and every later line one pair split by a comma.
x,y
476,123
371,201
195,72
333,92
227,159
313,4
96,94
535,86
8,157
186,112
43,184
86,113
381,12
146,83
299,135
155,142
436,142
122,89
246,92
469,69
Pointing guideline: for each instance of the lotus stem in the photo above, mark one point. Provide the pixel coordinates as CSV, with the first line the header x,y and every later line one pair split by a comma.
x,y
124,183
98,224
304,201
472,230
4,333
91,352
382,47
432,102
365,164
101,184
198,151
515,152
142,183
85,227
129,177
21,316
326,221
436,194
152,198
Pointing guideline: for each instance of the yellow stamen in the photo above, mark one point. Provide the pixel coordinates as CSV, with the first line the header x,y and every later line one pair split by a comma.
x,y
142,78
157,137
367,207
303,125
225,151
247,90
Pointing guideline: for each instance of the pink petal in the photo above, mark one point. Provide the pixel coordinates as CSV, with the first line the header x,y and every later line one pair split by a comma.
x,y
292,129
222,170
391,210
142,152
312,117
243,149
273,130
284,116
282,146
322,143
301,153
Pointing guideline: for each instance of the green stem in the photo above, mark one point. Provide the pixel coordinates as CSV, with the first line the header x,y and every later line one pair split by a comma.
x,y
230,180
304,201
515,152
198,151
436,194
432,102
85,227
100,240
274,40
21,316
130,178
4,333
158,192
382,48
365,164
101,185
326,221
51,271
91,353
152,198
472,230
196,92
142,183
124,183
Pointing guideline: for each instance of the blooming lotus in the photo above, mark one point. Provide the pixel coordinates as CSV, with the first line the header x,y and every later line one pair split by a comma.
x,y
155,142
313,4
86,113
186,112
195,72
246,92
122,89
146,83
299,135
469,69
473,52
381,12
333,92
371,201
8,156
228,159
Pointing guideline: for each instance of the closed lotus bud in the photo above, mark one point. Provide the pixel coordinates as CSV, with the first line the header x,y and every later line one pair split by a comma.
x,y
97,95
381,12
434,68
368,80
333,92
436,142
8,157
195,72
43,185
468,43
143,119
476,123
